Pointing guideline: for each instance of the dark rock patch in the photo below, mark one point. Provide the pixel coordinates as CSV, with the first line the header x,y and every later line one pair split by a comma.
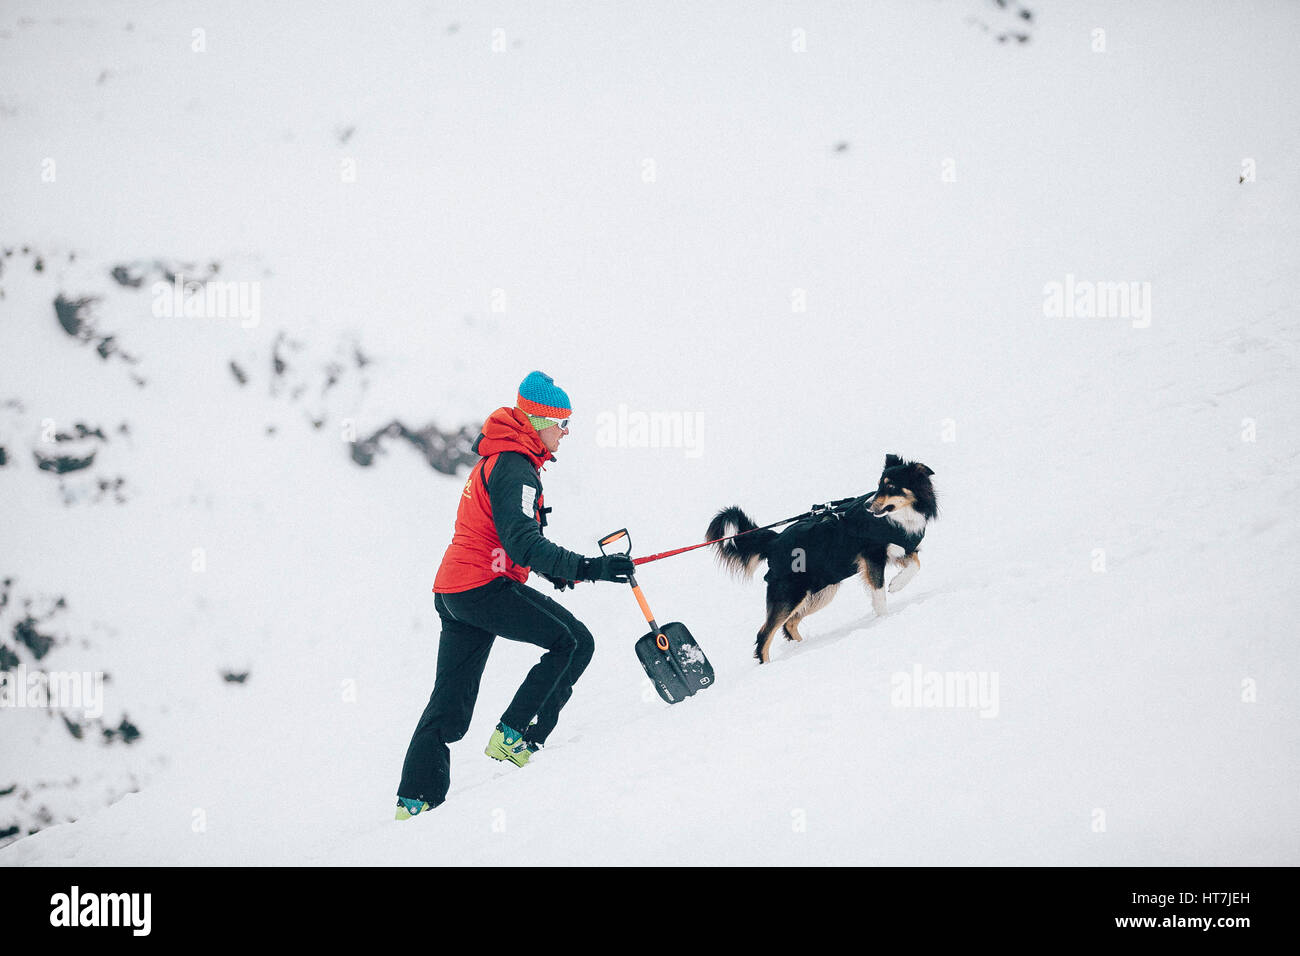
x,y
444,451
62,464
113,487
26,634
278,365
123,277
125,731
74,316
1017,20
83,431
133,275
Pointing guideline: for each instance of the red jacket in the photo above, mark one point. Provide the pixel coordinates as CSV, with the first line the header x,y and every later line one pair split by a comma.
x,y
500,519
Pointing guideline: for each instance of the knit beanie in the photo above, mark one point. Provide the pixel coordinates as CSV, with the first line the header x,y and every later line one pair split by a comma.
x,y
542,400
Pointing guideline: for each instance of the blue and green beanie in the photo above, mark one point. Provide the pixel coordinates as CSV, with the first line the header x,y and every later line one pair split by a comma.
x,y
542,400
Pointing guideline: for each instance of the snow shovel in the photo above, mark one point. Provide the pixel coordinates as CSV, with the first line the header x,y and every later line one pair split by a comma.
x,y
671,657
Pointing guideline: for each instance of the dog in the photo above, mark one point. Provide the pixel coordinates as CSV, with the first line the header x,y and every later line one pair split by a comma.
x,y
809,559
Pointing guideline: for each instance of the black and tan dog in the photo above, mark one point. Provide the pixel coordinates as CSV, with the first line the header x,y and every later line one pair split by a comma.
x,y
808,560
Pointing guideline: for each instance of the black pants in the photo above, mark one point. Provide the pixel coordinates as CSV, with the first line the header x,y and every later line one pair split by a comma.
x,y
470,622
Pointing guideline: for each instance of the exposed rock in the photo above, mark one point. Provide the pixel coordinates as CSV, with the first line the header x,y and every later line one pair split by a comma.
x,y
110,486
444,451
83,431
25,633
75,319
74,728
278,364
73,316
123,277
62,464
332,373
133,275
125,731
1022,18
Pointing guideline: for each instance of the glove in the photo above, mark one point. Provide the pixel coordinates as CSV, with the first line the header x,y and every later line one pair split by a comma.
x,y
558,583
610,567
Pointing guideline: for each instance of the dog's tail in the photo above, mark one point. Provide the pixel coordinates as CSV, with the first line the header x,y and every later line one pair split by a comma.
x,y
743,554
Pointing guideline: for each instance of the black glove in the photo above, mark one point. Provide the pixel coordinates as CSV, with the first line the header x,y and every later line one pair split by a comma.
x,y
558,583
610,567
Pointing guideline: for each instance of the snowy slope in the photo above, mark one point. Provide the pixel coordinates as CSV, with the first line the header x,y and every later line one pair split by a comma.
x,y
502,220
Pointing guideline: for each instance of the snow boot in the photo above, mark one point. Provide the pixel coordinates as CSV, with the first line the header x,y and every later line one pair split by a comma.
x,y
508,744
409,808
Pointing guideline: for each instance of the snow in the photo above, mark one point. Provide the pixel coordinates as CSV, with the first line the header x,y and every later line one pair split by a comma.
x,y
639,202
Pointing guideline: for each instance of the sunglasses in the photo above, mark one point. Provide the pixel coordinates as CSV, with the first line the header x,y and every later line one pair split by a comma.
x,y
563,424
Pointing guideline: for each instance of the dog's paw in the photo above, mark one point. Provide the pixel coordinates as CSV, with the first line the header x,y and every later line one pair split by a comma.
x,y
901,579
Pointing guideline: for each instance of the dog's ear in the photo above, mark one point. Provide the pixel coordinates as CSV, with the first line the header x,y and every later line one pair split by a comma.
x,y
925,470
892,461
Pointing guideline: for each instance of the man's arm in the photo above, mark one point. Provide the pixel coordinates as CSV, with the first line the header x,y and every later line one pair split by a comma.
x,y
513,489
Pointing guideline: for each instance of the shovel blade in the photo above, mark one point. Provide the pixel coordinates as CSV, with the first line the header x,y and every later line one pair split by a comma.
x,y
696,671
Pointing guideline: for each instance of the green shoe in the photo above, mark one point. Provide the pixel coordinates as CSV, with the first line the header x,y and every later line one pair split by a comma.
x,y
409,808
508,744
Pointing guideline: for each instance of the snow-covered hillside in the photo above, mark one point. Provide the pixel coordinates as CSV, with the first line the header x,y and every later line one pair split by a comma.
x,y
1059,270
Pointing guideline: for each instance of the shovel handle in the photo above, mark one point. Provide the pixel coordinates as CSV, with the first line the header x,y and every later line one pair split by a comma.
x,y
645,606
621,535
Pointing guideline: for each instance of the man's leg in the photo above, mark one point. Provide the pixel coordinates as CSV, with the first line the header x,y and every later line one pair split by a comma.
x,y
519,613
462,654
548,714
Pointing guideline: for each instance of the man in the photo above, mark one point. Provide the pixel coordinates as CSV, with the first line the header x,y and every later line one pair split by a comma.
x,y
479,593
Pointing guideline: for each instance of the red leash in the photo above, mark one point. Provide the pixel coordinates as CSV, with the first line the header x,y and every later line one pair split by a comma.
x,y
830,508
692,547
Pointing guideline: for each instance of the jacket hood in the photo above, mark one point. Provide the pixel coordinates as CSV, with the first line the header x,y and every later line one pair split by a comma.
x,y
508,429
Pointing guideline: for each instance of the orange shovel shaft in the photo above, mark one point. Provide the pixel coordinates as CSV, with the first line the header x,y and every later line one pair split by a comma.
x,y
645,607
661,639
